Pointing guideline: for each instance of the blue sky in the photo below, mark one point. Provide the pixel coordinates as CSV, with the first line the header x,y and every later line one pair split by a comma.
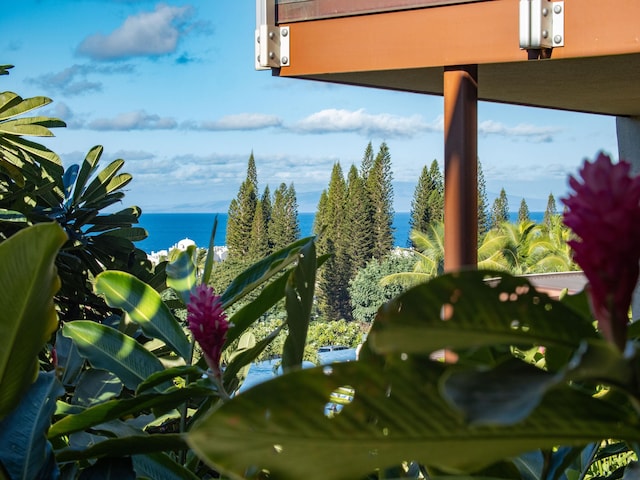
x,y
171,88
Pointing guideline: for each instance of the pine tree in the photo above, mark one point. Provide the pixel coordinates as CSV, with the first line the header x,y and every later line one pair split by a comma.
x,y
436,197
252,172
334,276
380,190
357,223
500,210
550,212
367,162
523,212
483,203
242,209
259,238
420,216
285,226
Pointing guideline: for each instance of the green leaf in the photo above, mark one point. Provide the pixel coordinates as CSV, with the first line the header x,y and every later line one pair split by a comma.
x,y
145,307
181,275
99,186
160,466
262,271
396,415
108,349
96,386
131,445
299,301
25,452
88,167
28,282
463,310
208,263
114,409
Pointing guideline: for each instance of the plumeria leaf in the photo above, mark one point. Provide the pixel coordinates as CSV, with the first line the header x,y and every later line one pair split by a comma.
x,y
145,307
108,349
114,409
28,281
299,301
395,414
466,309
181,274
26,453
262,271
123,447
208,263
160,466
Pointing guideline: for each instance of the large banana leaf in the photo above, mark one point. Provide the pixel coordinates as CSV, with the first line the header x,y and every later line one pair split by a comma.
x,y
28,282
145,307
111,350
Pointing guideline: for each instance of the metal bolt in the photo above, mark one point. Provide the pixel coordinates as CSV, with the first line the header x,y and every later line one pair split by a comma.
x,y
545,12
285,32
258,39
272,35
272,55
545,34
285,60
557,8
557,39
258,58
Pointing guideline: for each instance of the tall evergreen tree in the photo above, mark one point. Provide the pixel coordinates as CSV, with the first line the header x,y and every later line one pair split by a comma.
x,y
259,238
285,226
483,204
333,278
500,210
367,162
420,216
380,191
436,197
252,172
550,212
357,223
523,212
242,209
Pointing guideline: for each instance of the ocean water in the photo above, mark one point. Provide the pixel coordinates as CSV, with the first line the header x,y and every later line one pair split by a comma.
x,y
167,229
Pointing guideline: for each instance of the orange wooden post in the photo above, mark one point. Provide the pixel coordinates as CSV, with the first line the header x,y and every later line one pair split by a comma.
x,y
460,167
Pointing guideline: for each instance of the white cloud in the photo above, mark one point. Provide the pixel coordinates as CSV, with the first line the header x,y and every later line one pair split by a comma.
x,y
359,121
137,120
523,130
243,121
145,34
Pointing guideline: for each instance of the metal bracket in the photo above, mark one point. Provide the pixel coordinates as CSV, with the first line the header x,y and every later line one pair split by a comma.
x,y
271,47
541,24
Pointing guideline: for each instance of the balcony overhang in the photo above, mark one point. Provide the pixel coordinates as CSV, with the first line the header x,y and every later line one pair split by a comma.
x,y
408,47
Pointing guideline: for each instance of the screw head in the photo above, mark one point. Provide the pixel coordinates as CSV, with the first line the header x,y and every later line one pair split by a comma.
x,y
545,34
284,32
545,12
284,60
557,39
272,55
271,35
557,8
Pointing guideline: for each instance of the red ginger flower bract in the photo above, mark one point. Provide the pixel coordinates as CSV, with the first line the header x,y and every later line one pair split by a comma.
x,y
604,212
208,324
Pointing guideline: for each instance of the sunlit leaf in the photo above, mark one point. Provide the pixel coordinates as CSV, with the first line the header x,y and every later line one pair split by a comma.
x,y
28,282
144,306
111,350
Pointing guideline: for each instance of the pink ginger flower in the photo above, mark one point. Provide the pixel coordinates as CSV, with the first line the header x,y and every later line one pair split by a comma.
x,y
208,324
604,212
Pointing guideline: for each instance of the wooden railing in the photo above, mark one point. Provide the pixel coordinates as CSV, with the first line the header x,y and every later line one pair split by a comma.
x,y
302,10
